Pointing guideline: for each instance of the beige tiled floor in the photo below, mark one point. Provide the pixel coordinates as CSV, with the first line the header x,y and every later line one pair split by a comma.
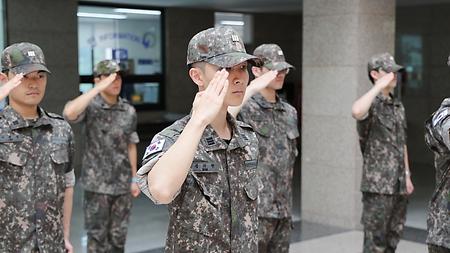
x,y
348,242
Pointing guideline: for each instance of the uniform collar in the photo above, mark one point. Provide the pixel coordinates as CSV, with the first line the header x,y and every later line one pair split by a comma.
x,y
120,105
17,121
211,141
261,101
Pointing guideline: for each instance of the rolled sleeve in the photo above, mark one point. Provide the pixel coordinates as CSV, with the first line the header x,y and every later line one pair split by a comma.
x,y
133,138
156,149
142,175
70,178
80,118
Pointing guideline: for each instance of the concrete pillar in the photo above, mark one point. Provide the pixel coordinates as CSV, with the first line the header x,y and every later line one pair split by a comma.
x,y
338,38
181,24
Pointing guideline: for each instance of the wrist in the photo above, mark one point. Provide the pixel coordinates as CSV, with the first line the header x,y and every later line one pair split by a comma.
x,y
198,122
134,180
251,90
408,173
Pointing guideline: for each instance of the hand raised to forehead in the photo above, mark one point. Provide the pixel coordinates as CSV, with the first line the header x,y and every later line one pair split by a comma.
x,y
15,81
7,87
208,103
384,81
263,81
103,84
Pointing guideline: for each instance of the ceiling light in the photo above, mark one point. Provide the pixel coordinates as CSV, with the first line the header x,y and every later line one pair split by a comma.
x,y
138,11
229,22
100,15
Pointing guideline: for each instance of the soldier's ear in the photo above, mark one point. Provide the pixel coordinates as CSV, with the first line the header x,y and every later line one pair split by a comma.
x,y
197,77
374,74
257,71
96,79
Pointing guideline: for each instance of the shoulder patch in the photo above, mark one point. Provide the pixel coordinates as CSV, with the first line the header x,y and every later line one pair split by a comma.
x,y
154,148
440,116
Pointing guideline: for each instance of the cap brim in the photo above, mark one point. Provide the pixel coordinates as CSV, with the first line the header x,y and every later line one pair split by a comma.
x,y
28,68
396,67
278,66
232,59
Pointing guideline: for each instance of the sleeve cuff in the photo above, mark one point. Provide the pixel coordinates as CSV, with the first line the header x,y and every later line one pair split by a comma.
x,y
142,175
70,178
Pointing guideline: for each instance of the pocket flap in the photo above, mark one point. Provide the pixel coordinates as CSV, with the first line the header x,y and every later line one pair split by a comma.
x,y
60,156
15,158
251,189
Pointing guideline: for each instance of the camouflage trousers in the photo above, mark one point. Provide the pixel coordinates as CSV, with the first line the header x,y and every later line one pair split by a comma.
x,y
437,249
274,235
383,219
106,221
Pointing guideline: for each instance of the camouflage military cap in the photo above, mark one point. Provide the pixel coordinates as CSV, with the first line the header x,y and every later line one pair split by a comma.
x,y
272,57
220,46
23,58
106,67
384,61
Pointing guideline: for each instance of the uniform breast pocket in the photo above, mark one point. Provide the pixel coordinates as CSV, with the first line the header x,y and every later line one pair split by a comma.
x,y
202,201
60,159
207,177
261,126
11,168
387,121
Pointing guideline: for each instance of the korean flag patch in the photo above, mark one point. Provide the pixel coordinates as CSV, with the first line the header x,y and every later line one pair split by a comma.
x,y
154,148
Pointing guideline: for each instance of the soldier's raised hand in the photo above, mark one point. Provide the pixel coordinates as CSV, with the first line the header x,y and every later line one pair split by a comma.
x,y
209,102
384,81
103,84
7,87
262,81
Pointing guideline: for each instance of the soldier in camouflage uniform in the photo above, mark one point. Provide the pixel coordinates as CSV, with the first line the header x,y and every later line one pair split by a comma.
x,y
386,180
110,158
437,137
275,122
204,165
36,151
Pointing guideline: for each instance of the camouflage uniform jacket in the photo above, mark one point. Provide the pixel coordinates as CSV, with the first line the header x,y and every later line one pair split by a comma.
x,y
437,137
35,169
382,136
109,130
276,128
216,207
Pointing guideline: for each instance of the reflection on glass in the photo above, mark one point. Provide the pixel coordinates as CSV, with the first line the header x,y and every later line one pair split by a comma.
x,y
141,93
85,87
411,57
129,36
136,93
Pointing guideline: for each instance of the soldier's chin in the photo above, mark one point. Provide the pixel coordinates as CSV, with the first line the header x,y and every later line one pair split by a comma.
x,y
235,102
